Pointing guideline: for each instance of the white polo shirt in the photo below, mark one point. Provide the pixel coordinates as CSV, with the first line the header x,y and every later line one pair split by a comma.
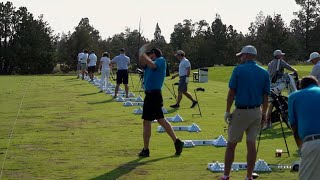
x,y
79,56
105,63
184,66
122,62
84,58
316,71
92,59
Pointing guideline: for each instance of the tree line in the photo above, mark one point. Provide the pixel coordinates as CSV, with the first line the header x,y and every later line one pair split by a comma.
x,y
29,46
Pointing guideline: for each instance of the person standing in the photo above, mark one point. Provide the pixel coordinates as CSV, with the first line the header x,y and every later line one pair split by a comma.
x,y
84,59
303,107
122,62
154,67
184,73
315,60
92,62
249,87
277,65
276,71
79,64
104,67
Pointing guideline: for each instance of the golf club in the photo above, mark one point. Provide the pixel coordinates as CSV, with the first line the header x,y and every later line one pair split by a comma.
x,y
259,138
195,93
131,80
173,94
112,76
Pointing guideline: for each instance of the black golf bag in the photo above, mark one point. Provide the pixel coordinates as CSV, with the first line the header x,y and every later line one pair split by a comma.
x,y
280,103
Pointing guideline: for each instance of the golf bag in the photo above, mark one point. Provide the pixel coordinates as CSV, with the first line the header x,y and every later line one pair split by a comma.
x,y
280,102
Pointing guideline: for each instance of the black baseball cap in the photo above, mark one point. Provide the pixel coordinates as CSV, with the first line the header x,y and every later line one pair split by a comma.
x,y
156,51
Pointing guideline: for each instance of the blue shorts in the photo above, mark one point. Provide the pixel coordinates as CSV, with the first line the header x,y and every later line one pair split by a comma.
x,y
183,86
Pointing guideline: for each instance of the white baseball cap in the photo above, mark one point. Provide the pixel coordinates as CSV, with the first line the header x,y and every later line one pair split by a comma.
x,y
180,52
249,49
278,52
313,56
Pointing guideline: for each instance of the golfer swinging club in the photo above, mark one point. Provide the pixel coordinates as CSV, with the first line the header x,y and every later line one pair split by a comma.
x,y
154,67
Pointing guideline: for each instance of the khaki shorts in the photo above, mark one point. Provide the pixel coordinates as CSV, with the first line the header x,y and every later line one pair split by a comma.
x,y
83,66
310,160
244,120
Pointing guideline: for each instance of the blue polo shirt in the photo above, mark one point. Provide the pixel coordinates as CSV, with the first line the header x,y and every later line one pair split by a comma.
x,y
153,78
303,107
250,82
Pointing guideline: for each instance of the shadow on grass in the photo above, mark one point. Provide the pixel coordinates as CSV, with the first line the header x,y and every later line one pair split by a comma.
x,y
88,94
172,110
127,168
71,79
275,133
102,102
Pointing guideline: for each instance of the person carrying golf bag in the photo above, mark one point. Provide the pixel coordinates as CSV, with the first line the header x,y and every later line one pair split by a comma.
x,y
154,66
249,86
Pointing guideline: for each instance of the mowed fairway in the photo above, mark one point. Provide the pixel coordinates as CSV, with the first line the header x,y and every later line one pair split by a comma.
x,y
66,130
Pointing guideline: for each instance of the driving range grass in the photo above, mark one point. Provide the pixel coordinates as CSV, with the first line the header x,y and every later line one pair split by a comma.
x,y
67,130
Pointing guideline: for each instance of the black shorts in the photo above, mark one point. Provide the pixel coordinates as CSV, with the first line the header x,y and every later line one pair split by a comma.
x,y
91,69
122,76
152,106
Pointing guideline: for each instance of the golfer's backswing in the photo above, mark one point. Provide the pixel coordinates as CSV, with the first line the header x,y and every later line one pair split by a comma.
x,y
154,66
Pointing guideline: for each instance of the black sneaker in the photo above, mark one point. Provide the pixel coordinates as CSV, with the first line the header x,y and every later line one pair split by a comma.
x,y
175,106
144,153
179,146
194,104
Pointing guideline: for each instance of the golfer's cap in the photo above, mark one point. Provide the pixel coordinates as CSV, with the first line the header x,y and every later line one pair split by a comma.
x,y
249,49
313,56
122,49
180,52
278,52
156,51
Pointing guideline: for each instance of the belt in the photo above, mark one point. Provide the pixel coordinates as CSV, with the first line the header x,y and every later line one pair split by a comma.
x,y
153,91
247,107
311,138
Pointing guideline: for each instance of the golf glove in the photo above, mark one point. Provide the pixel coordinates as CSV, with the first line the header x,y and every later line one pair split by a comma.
x,y
187,80
227,116
143,49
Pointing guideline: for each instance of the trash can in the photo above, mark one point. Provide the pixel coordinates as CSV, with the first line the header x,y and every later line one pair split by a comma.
x,y
203,75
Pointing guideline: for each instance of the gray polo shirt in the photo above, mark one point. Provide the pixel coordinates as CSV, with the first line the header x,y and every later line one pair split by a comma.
x,y
272,67
122,62
316,71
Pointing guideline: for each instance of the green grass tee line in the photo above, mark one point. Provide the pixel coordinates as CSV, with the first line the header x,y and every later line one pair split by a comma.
x,y
14,125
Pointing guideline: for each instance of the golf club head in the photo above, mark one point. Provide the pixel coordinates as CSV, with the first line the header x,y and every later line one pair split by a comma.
x,y
175,84
200,89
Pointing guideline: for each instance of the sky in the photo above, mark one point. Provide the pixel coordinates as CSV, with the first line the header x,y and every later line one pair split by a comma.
x,y
111,17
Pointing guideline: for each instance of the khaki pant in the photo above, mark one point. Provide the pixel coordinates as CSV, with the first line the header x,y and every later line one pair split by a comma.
x,y
244,120
310,161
